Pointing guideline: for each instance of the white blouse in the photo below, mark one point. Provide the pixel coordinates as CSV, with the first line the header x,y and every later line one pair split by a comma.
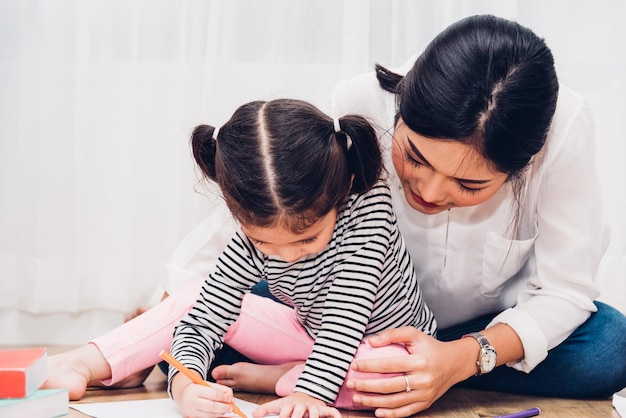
x,y
468,263
474,260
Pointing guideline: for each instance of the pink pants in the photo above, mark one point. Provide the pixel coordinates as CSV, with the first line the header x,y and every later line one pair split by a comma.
x,y
266,332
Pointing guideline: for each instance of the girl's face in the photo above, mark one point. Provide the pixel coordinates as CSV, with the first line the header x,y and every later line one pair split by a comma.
x,y
281,242
437,175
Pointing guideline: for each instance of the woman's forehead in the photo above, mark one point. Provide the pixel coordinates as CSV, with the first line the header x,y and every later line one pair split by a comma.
x,y
452,158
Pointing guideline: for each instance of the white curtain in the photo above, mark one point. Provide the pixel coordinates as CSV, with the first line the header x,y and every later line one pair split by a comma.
x,y
98,98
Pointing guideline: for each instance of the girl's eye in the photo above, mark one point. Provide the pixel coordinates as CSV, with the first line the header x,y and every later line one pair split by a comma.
x,y
414,162
309,240
255,242
469,190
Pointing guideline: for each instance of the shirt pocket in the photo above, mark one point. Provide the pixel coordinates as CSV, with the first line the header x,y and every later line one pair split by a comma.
x,y
503,258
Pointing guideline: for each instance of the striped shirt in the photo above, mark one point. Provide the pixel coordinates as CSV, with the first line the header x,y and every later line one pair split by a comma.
x,y
363,282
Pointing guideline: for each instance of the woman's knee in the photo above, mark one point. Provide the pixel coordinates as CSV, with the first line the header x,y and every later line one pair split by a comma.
x,y
601,348
613,348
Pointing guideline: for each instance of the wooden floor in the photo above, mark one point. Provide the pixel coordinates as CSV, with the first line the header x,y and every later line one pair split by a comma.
x,y
461,403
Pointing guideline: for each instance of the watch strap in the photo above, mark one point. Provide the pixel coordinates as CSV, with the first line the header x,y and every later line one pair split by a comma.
x,y
484,348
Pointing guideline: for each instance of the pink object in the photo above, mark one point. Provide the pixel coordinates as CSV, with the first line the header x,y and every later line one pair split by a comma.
x,y
270,333
136,344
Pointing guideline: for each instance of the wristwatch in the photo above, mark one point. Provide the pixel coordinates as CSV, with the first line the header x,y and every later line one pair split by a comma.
x,y
487,358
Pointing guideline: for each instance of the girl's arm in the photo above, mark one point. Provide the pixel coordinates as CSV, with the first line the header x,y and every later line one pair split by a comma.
x,y
372,287
201,332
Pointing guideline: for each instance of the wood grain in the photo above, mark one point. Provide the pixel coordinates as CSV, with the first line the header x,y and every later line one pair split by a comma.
x,y
457,403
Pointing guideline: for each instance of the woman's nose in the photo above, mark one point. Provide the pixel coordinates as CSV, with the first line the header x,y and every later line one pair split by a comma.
x,y
432,187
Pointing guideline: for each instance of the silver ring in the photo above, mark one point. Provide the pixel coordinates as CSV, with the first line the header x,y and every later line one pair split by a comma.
x,y
406,379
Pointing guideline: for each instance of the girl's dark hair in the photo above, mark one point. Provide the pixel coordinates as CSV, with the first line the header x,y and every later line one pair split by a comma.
x,y
485,81
282,163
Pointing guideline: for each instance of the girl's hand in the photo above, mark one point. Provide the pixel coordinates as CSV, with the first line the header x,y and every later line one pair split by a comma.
x,y
297,405
196,401
431,368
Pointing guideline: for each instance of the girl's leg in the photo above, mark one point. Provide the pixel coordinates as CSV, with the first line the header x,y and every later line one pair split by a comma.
x,y
136,344
227,355
126,350
286,384
270,333
590,363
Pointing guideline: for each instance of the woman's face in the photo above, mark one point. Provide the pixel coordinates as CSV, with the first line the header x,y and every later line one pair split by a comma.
x,y
437,175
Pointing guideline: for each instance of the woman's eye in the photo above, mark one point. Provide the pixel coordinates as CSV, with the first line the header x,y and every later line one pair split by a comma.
x,y
413,161
469,190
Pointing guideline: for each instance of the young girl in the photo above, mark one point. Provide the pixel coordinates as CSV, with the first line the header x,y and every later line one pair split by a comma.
x,y
317,225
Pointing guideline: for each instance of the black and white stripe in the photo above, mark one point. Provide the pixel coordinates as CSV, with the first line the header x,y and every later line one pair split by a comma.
x,y
363,282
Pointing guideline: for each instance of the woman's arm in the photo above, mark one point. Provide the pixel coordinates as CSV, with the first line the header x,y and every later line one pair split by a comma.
x,y
565,204
432,368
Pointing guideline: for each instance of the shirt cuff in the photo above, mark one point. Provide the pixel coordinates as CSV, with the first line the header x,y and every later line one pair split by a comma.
x,y
534,342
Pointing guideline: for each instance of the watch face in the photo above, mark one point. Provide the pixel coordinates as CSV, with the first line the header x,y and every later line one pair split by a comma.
x,y
488,361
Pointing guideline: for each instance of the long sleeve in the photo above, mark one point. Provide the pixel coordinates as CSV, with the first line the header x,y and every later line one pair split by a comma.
x,y
344,319
572,236
201,333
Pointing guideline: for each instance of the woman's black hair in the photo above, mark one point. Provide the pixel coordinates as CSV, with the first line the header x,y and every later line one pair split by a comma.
x,y
283,162
485,81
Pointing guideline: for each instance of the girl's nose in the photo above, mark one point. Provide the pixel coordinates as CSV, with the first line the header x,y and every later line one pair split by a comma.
x,y
290,253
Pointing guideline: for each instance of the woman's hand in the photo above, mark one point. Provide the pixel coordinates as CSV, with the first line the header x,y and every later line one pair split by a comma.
x,y
199,401
297,405
431,369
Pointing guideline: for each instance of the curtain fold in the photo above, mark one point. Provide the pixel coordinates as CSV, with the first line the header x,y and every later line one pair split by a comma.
x,y
98,98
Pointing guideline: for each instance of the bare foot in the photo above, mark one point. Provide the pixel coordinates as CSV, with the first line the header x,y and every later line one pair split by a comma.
x,y
74,370
250,377
85,367
130,381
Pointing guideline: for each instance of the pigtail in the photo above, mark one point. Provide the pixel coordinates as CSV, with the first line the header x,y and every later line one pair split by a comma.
x,y
363,150
388,80
203,146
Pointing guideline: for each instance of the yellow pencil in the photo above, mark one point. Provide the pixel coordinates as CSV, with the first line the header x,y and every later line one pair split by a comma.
x,y
194,377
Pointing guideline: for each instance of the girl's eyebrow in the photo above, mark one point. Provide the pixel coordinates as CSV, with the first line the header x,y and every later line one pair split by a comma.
x,y
425,161
264,242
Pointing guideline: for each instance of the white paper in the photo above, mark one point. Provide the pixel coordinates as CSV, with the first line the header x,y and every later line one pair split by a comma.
x,y
619,403
153,408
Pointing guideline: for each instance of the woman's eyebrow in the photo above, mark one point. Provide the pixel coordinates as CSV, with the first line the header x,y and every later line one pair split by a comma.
x,y
425,161
418,153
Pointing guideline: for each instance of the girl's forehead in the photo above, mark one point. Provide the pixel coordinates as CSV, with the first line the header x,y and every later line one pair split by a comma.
x,y
281,234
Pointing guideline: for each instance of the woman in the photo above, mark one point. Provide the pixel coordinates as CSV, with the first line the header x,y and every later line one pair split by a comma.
x,y
498,199
497,196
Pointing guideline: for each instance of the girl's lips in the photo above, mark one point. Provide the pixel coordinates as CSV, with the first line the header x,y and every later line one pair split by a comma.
x,y
423,202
